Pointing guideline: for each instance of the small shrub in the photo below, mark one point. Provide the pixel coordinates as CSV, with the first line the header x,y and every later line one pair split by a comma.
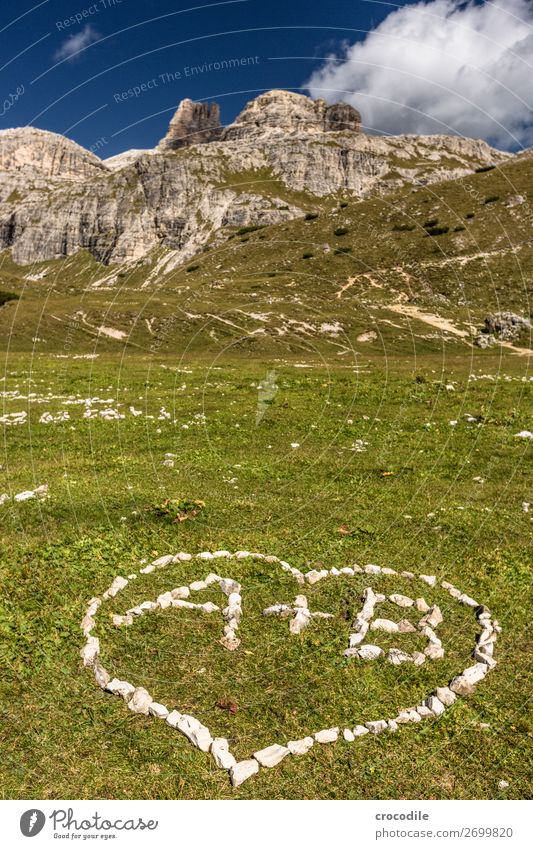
x,y
485,168
459,228
470,215
192,268
342,251
7,296
307,255
343,205
401,228
178,509
437,231
431,222
492,199
341,231
310,216
251,228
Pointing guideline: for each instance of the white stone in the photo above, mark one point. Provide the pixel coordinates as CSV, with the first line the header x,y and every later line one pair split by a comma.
x,y
432,618
348,735
140,701
407,574
467,600
406,627
430,634
300,747
384,625
397,657
360,625
431,580
328,735
424,711
401,600
445,695
236,599
392,725
209,607
355,639
422,605
377,726
465,684
90,651
369,652
301,601
272,755
434,652
180,592
173,718
408,715
87,624
230,641
243,770
277,610
334,571
435,705
196,586
221,753
121,688
164,600
386,571
183,556
101,675
147,570
205,555
212,578
360,731
300,621
371,569
228,586
222,553
158,710
418,658
118,584
346,570
163,561
483,657
313,576
148,605
197,733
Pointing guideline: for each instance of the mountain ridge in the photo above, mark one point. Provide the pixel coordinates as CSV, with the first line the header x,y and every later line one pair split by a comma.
x,y
280,153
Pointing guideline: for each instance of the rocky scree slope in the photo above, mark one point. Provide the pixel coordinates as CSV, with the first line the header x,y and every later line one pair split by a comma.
x,y
281,152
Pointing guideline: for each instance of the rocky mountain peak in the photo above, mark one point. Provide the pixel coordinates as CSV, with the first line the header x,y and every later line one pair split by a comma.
x,y
193,123
274,111
27,150
289,112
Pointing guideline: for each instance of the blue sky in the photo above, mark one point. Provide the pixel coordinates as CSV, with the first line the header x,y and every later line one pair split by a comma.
x,y
69,65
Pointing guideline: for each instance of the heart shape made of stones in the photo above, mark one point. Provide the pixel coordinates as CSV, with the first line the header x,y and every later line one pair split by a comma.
x,y
140,701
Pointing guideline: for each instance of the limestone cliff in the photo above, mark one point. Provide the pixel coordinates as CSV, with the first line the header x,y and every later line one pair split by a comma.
x,y
193,123
282,151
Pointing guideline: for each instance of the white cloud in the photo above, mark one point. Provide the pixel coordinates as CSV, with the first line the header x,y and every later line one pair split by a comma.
x,y
76,42
443,66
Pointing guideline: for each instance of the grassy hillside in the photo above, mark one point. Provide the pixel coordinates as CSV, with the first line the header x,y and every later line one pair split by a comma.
x,y
459,249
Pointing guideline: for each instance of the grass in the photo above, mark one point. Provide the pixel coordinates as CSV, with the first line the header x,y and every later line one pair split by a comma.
x,y
62,737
